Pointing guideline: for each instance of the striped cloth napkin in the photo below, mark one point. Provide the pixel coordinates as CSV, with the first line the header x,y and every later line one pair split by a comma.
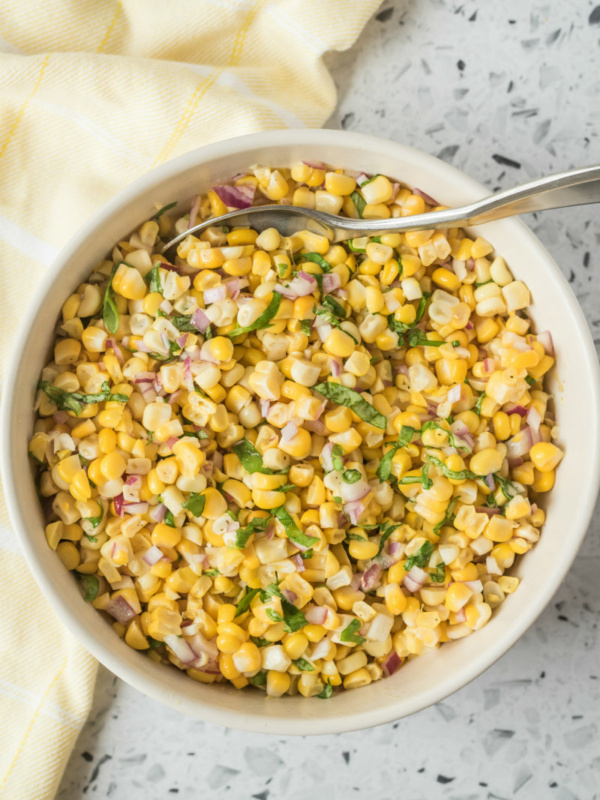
x,y
94,94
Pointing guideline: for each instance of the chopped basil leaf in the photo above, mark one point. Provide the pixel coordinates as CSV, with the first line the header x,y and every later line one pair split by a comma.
x,y
448,519
351,476
376,239
262,321
349,634
418,338
337,454
169,519
348,397
212,573
183,324
96,520
509,490
195,504
407,480
287,487
91,586
384,470
244,603
463,475
317,259
531,381
75,401
477,407
92,539
153,279
307,554
433,425
306,326
354,537
243,534
386,531
292,531
364,183
351,247
439,576
110,311
281,269
260,642
260,679
421,306
154,643
273,615
335,307
250,458
303,665
197,434
420,558
338,500
163,210
332,320
359,202
485,283
293,618
327,691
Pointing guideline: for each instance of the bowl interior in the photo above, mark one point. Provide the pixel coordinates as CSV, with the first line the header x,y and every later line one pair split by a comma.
x,y
424,680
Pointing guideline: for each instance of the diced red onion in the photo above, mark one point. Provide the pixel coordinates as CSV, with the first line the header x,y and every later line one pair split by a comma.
x,y
545,338
355,491
264,406
360,179
120,609
474,586
182,339
331,282
315,164
392,663
321,648
512,408
153,555
536,436
519,445
534,419
370,578
308,277
470,264
353,510
326,454
489,481
428,199
60,417
142,347
166,307
336,368
215,294
454,394
461,615
194,211
158,512
200,321
171,441
119,503
289,595
487,510
315,426
316,615
299,287
289,431
489,365
181,648
136,508
320,410
298,561
236,196
415,579
469,326
395,190
174,397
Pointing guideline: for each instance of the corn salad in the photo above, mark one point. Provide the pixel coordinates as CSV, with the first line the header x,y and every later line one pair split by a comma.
x,y
280,462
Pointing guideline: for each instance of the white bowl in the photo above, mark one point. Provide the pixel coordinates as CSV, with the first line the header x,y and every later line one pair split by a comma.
x,y
424,680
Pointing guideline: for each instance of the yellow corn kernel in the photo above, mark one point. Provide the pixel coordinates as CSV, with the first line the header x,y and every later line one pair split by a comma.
x,y
545,456
295,645
278,683
112,466
395,600
446,279
457,596
508,584
363,550
357,679
543,481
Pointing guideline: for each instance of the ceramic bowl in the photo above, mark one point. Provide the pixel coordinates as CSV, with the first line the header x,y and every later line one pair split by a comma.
x,y
576,388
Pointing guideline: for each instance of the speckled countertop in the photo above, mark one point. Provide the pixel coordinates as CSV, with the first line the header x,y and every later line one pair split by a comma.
x,y
505,91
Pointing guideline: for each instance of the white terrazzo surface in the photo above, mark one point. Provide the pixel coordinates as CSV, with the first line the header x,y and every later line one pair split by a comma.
x,y
506,91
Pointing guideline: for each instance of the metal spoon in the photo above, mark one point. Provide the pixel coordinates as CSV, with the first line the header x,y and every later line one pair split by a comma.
x,y
573,188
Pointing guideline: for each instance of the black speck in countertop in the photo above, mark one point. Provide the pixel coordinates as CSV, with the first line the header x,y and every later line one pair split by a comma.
x,y
473,16
444,779
510,87
346,756
384,15
87,756
347,120
506,162
421,770
447,153
594,18
461,65
96,771
261,795
586,259
173,791
543,674
552,37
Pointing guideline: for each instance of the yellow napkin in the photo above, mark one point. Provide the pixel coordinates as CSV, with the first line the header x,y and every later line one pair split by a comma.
x,y
93,94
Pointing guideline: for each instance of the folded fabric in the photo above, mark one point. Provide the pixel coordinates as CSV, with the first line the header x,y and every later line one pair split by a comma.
x,y
93,95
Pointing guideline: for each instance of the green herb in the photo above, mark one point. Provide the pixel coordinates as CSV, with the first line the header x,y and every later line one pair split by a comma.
x,y
163,210
421,306
250,458
359,202
509,490
463,475
243,534
110,311
421,557
169,519
273,615
212,573
293,618
376,239
431,425
196,434
354,537
485,283
262,321
348,397
195,504
96,520
287,487
338,500
364,183
75,401
91,586
386,531
531,381
335,307
244,603
351,476
260,642
325,314
153,644
406,481
418,338
183,324
374,360
327,689
307,554
92,539
174,349
317,259
448,519
384,470
150,436
260,679
281,269
477,407
439,576
306,326
303,665
337,454
153,279
354,249
208,334
349,634
292,531
160,313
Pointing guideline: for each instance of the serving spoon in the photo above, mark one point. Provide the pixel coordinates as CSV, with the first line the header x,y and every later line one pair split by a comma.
x,y
575,187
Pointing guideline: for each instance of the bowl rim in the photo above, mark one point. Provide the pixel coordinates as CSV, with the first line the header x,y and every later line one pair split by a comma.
x,y
147,683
